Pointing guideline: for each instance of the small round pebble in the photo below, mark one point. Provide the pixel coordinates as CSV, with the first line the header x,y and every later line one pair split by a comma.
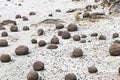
x,y
25,28
22,50
72,27
83,36
102,37
76,38
13,28
38,66
52,46
77,52
59,26
41,43
18,16
40,32
70,76
82,41
65,35
32,75
5,58
34,41
94,34
3,43
55,40
115,35
32,13
92,69
4,34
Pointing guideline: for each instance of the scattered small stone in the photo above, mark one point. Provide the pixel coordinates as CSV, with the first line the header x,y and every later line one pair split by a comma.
x,y
97,1
22,50
25,28
58,10
115,35
94,34
114,49
6,22
59,26
32,75
76,38
92,69
25,18
38,66
40,32
50,15
102,37
42,43
13,28
65,35
4,34
18,16
72,27
52,46
117,41
33,41
87,15
83,41
5,58
71,10
32,13
83,36
59,33
89,7
3,43
77,52
70,76
55,40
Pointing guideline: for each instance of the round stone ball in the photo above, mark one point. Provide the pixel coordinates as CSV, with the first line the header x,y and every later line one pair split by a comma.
x,y
59,26
70,76
115,35
114,49
83,36
76,38
94,34
22,50
55,40
33,41
72,27
32,13
92,69
52,46
32,75
38,66
40,32
3,43
102,37
59,33
25,28
13,28
5,58
65,35
18,16
42,43
4,34
77,52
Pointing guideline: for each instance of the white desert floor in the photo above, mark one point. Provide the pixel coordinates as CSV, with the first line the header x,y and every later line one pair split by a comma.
x,y
58,62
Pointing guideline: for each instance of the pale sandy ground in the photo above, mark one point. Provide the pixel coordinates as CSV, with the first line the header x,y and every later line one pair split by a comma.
x,y
58,62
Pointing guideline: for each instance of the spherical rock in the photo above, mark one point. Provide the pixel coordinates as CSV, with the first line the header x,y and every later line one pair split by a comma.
x,y
32,75
55,40
4,34
40,32
5,58
52,46
59,33
86,15
33,41
18,16
72,27
83,41
25,18
13,28
70,76
76,37
77,52
42,43
117,41
115,35
32,13
102,37
92,69
114,49
59,26
38,66
83,36
94,34
25,28
3,43
22,50
65,35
